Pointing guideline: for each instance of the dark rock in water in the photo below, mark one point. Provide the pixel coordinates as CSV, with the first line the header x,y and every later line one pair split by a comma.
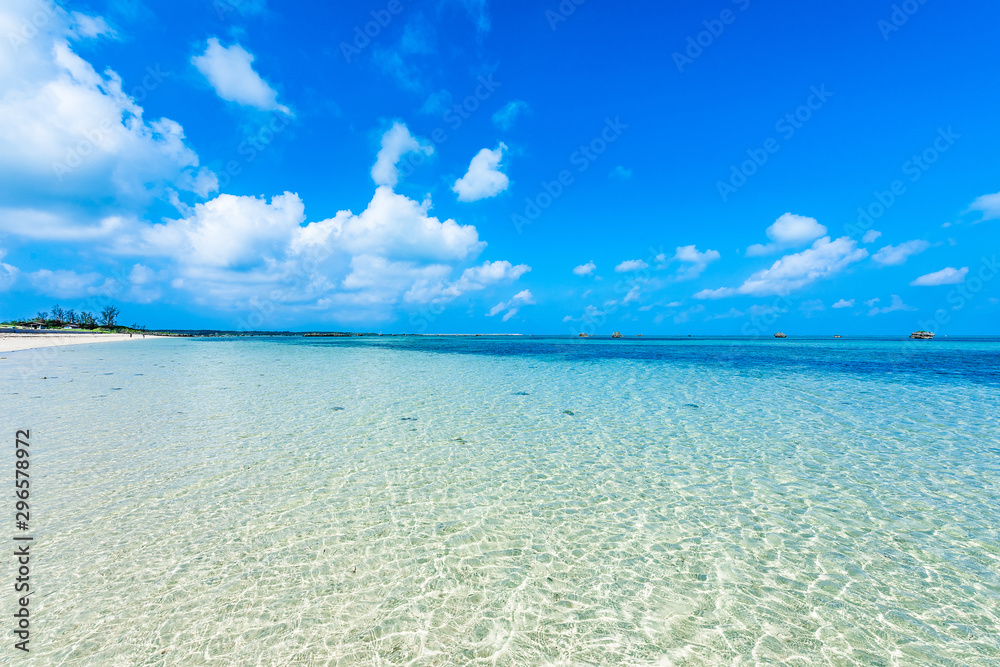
x,y
568,412
690,405
460,441
521,393
408,419
337,409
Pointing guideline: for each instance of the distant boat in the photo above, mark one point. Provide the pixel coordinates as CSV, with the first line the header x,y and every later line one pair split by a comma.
x,y
780,335
922,335
837,336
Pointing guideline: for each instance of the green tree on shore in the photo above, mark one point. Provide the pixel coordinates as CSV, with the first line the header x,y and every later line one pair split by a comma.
x,y
108,316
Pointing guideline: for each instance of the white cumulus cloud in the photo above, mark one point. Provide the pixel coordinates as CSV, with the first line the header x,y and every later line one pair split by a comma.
x,y
787,231
396,142
472,279
243,251
792,272
229,231
68,131
585,269
484,178
397,226
378,280
844,303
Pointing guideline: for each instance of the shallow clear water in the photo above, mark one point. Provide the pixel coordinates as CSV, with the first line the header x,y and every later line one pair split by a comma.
x,y
433,502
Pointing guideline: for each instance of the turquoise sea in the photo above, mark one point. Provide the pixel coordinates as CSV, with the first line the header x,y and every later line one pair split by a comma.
x,y
510,501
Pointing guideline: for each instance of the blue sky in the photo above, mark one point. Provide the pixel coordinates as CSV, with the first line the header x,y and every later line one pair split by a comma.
x,y
728,167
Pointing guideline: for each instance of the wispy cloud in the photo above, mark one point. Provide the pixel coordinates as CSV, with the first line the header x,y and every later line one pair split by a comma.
x,y
687,314
894,255
229,69
478,11
513,307
946,276
988,205
811,307
509,113
732,313
896,304
620,173
631,265
694,262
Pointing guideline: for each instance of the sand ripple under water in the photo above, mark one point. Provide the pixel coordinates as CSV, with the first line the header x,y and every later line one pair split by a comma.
x,y
361,502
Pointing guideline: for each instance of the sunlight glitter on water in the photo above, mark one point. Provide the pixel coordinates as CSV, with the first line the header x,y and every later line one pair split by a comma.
x,y
535,506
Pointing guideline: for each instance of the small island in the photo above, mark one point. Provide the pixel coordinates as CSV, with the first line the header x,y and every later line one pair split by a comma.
x,y
922,335
780,335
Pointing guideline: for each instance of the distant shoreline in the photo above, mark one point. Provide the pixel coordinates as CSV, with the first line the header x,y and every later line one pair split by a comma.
x,y
44,337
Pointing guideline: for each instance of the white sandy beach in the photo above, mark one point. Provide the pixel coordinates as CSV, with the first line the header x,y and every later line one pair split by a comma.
x,y
14,342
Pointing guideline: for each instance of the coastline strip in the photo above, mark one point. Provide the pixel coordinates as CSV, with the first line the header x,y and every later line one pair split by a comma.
x,y
16,342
